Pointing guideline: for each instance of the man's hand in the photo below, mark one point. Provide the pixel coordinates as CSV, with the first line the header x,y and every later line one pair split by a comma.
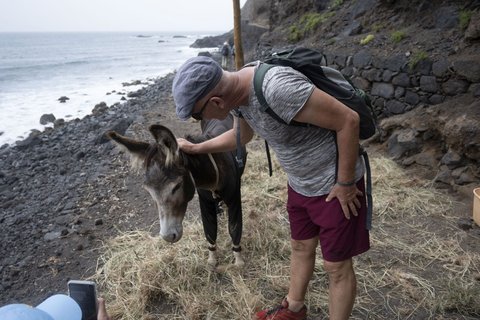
x,y
102,311
186,145
347,196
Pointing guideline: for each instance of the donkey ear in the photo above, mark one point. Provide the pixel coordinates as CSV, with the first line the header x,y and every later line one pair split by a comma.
x,y
166,142
137,149
164,137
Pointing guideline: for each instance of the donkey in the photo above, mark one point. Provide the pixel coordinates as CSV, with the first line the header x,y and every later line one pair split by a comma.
x,y
171,177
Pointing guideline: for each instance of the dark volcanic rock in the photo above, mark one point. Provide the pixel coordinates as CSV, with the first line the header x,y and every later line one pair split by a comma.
x,y
63,99
47,118
55,198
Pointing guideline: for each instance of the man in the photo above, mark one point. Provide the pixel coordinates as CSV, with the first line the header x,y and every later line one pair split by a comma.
x,y
225,55
325,199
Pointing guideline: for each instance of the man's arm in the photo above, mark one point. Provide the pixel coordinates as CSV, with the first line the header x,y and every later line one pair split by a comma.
x,y
324,111
227,141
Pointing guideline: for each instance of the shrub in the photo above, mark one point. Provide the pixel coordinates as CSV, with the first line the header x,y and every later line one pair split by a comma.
x,y
376,27
367,39
416,58
464,17
336,3
398,36
308,23
294,35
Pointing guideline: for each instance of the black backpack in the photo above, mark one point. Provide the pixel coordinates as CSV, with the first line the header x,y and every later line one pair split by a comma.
x,y
329,80
308,62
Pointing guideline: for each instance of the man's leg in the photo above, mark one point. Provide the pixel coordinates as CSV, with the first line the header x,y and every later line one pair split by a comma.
x,y
224,62
342,288
302,262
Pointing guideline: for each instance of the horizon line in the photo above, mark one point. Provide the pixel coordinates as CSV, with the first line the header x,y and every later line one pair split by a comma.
x,y
112,31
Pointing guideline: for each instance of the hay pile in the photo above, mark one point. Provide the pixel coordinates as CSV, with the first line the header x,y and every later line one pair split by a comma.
x,y
415,268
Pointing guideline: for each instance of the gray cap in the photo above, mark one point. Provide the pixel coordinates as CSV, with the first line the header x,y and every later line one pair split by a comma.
x,y
193,81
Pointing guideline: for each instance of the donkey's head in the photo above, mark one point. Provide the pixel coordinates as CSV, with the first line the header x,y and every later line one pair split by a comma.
x,y
166,178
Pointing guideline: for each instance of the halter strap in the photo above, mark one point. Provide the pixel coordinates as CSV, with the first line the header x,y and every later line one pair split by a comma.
x,y
191,177
217,177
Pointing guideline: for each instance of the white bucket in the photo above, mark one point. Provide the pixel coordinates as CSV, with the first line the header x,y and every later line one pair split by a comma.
x,y
476,206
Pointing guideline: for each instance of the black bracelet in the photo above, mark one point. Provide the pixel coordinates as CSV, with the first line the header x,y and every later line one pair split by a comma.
x,y
346,184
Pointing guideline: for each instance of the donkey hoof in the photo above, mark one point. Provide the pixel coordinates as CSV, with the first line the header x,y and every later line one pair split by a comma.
x,y
212,258
239,263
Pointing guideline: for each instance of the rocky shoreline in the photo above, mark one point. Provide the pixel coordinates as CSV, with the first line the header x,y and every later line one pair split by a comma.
x,y
64,191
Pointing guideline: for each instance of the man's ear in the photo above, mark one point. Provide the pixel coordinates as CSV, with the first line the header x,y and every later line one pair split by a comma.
x,y
218,101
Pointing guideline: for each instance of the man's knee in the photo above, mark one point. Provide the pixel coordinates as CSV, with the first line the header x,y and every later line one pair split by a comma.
x,y
304,247
338,271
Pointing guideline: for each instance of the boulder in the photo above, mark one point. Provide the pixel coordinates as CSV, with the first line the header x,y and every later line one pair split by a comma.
x,y
47,118
446,17
99,108
473,29
440,67
428,84
362,59
395,107
403,143
468,67
402,79
396,63
455,86
382,89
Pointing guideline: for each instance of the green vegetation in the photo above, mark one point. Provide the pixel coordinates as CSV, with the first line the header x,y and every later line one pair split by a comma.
x,y
294,35
398,36
376,27
464,17
336,3
367,39
416,58
308,23
331,41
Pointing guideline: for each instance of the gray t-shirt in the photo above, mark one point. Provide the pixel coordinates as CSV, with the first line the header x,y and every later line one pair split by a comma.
x,y
307,154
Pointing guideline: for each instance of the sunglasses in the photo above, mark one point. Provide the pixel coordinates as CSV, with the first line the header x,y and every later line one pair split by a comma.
x,y
198,115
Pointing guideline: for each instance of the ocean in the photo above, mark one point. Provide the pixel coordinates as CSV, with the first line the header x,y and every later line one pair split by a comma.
x,y
36,69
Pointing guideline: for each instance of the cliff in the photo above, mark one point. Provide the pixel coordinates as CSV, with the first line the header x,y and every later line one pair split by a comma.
x,y
419,61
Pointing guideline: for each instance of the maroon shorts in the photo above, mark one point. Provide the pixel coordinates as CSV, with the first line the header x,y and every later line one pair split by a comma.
x,y
340,238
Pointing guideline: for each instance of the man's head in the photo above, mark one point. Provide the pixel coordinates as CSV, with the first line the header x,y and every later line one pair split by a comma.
x,y
194,80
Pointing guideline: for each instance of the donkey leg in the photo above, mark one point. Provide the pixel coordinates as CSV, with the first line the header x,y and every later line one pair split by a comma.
x,y
212,255
235,225
209,221
237,254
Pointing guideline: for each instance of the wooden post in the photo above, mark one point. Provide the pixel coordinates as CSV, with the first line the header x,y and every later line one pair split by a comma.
x,y
237,35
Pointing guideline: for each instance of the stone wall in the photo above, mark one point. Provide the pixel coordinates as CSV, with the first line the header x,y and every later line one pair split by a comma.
x,y
442,139
397,86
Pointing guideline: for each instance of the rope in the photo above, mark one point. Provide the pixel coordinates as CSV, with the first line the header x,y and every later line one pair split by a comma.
x,y
217,177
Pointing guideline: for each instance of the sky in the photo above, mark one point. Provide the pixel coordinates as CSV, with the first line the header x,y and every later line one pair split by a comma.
x,y
116,15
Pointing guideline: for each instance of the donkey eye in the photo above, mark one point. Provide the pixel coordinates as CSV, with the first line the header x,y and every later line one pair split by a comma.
x,y
176,187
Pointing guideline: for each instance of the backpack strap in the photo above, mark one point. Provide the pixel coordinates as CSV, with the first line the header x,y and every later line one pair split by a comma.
x,y
258,83
257,86
239,155
368,189
258,78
